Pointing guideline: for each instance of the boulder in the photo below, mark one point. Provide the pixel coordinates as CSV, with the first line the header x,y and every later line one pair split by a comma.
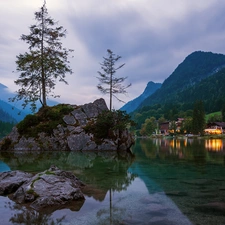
x,y
12,180
71,135
51,189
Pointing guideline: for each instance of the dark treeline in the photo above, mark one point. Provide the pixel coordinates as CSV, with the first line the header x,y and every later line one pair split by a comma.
x,y
194,118
5,128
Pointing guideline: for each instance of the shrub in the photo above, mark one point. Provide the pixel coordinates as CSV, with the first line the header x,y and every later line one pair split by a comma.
x,y
107,122
45,120
28,122
5,144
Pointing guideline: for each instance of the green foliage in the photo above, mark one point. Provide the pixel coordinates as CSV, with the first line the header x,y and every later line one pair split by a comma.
x,y
213,117
195,76
167,112
200,76
28,122
107,122
198,121
45,120
187,125
148,127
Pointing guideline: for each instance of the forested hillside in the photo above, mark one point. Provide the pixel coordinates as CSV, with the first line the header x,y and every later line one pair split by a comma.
x,y
196,67
6,123
201,76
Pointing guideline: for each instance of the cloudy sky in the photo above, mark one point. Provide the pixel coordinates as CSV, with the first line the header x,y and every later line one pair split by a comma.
x,y
152,36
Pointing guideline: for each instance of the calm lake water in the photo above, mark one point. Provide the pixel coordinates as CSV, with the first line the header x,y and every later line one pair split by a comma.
x,y
167,182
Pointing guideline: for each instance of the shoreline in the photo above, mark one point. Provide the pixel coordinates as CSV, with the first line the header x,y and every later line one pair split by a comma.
x,y
179,136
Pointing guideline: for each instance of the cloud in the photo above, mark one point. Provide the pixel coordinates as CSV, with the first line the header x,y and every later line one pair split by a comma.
x,y
152,36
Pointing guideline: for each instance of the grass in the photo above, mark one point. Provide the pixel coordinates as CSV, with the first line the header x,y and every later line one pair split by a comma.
x,y
210,115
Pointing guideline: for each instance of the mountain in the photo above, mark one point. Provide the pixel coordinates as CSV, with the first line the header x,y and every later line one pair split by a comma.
x,y
5,117
14,111
10,113
149,90
183,85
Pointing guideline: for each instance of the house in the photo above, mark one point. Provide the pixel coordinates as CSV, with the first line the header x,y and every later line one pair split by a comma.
x,y
179,123
164,128
215,128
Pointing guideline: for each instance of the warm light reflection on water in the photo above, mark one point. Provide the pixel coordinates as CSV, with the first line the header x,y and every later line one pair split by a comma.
x,y
214,145
178,144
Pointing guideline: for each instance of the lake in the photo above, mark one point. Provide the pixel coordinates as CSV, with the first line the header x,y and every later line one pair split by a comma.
x,y
165,182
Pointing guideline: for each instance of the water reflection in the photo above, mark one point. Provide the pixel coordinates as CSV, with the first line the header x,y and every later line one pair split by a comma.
x,y
103,174
214,145
168,182
28,217
4,167
174,143
190,172
181,148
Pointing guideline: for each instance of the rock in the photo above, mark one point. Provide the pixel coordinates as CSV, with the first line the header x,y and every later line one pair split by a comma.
x,y
212,207
80,116
71,135
78,141
51,189
177,193
69,120
108,145
198,182
12,180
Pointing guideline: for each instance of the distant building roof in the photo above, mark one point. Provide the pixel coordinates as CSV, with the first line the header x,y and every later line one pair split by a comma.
x,y
220,124
164,126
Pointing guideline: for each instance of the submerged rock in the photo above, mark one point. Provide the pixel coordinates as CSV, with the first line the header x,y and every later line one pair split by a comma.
x,y
212,207
51,189
70,134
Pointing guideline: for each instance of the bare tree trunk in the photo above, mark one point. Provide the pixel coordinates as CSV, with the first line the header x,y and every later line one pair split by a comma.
x,y
110,104
44,103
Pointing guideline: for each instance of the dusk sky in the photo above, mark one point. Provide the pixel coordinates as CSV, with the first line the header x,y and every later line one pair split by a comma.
x,y
152,36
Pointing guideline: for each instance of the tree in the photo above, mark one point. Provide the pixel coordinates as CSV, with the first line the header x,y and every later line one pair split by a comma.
x,y
107,77
107,122
223,112
44,64
187,125
198,119
149,127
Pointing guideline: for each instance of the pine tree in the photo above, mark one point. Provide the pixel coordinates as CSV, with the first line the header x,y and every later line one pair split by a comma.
x,y
44,63
198,121
107,77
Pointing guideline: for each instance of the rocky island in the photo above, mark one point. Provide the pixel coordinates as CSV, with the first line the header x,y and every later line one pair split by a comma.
x,y
70,128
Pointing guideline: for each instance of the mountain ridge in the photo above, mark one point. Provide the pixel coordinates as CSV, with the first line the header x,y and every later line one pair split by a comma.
x,y
14,111
196,67
133,104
